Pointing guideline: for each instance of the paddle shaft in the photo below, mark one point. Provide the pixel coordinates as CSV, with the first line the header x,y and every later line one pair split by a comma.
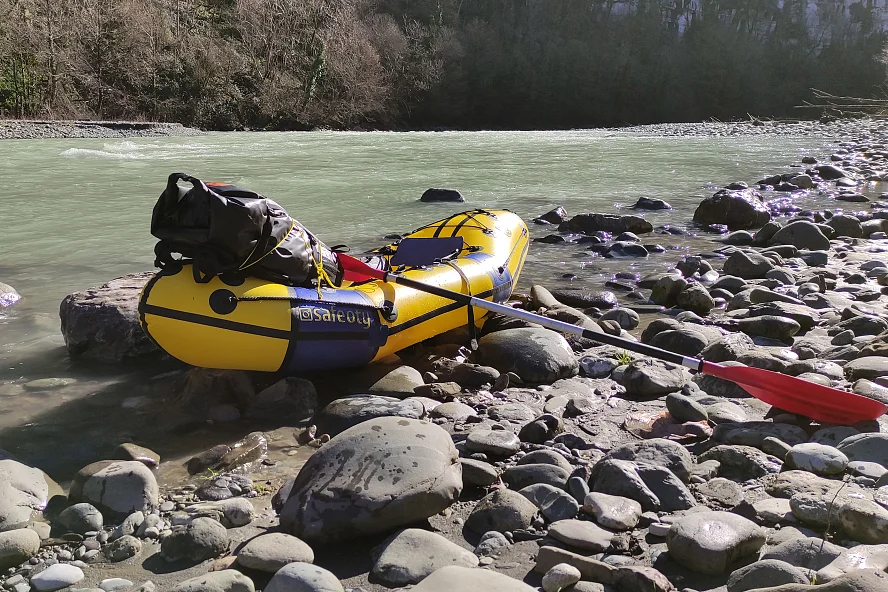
x,y
554,324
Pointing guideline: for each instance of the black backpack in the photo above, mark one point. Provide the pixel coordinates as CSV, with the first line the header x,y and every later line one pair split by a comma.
x,y
223,229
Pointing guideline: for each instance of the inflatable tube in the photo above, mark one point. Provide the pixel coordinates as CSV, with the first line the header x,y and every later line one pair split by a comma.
x,y
251,324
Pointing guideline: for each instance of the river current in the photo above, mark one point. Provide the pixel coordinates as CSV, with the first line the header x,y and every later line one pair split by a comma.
x,y
76,213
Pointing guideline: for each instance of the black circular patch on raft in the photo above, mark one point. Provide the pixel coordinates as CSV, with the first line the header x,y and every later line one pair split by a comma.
x,y
223,302
232,279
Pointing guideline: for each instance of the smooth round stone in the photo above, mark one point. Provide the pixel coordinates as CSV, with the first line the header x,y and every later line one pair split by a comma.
x,y
554,503
17,546
817,459
223,580
412,554
502,510
81,518
684,408
303,577
453,411
863,468
114,584
765,574
774,510
56,577
270,552
582,535
611,511
560,577
497,442
709,542
478,473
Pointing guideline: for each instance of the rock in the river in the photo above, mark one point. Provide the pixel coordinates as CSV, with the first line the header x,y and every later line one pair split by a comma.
x,y
747,265
290,400
736,209
413,554
116,488
846,225
346,412
709,542
17,546
24,492
650,203
200,539
303,577
439,195
817,459
272,551
226,580
103,323
765,574
646,378
589,223
8,295
81,518
502,510
696,298
802,235
611,511
56,577
416,471
454,577
535,355
655,488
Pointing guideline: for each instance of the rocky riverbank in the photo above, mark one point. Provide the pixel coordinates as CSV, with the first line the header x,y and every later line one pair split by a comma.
x,y
537,460
20,129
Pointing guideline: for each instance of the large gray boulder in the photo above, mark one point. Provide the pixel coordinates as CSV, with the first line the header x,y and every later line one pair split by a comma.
x,y
24,492
373,477
116,488
17,546
102,323
709,542
413,554
802,235
589,223
535,355
736,209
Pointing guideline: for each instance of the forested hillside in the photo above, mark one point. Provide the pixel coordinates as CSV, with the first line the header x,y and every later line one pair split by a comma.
x,y
520,64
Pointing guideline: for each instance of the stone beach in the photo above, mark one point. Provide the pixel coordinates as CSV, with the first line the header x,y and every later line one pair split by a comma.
x,y
538,461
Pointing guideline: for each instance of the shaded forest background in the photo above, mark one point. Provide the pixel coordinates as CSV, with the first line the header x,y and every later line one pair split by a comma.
x,y
427,64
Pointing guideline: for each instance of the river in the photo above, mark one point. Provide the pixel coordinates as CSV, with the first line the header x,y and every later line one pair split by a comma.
x,y
76,213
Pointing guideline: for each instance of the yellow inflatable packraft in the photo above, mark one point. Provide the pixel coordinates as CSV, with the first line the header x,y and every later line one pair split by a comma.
x,y
253,324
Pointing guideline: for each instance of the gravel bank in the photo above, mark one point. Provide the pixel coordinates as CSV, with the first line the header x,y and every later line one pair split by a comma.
x,y
34,129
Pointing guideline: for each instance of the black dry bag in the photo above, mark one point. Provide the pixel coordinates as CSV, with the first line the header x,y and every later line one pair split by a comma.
x,y
223,229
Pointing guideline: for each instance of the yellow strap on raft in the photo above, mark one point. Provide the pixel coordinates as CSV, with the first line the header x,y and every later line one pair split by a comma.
x,y
242,266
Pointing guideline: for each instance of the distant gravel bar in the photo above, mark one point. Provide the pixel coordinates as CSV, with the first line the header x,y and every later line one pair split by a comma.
x,y
22,129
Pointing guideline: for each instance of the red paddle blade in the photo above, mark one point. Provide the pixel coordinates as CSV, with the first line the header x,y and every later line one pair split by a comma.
x,y
822,403
354,270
